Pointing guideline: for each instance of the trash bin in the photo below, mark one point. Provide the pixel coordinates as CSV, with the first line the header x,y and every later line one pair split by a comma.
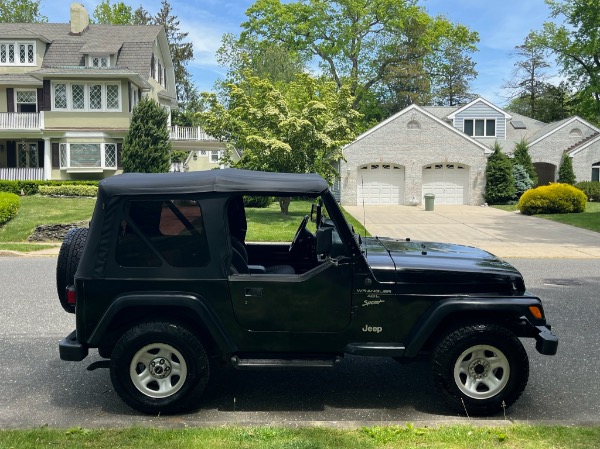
x,y
429,200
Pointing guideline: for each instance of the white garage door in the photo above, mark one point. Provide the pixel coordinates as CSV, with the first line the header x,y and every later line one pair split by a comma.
x,y
380,184
448,182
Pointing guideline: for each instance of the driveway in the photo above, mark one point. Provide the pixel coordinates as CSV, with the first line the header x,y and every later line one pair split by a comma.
x,y
505,234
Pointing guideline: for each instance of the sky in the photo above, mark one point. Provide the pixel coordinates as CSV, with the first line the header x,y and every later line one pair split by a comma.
x,y
501,26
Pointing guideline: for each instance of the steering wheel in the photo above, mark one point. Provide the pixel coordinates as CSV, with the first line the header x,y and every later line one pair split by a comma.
x,y
299,232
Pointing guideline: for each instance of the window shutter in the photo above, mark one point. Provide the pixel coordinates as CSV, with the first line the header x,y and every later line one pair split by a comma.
x,y
119,162
46,104
10,99
11,154
55,155
40,100
40,153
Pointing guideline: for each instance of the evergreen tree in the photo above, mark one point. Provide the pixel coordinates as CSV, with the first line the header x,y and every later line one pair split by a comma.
x,y
500,184
522,180
522,157
146,147
566,175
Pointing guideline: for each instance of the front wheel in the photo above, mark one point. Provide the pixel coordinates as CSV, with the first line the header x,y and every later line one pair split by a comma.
x,y
480,369
159,367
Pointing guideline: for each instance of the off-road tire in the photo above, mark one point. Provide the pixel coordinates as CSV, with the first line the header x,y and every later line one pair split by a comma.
x,y
480,347
66,266
143,389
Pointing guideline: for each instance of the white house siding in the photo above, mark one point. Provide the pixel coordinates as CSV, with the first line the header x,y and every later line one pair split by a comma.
x,y
482,111
392,143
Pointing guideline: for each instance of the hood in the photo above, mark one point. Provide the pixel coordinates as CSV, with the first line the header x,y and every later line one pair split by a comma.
x,y
431,267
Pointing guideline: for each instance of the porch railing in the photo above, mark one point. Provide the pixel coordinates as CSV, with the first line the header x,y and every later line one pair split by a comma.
x,y
21,120
21,174
190,133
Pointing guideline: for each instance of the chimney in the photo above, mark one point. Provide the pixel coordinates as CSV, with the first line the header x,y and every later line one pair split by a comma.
x,y
80,19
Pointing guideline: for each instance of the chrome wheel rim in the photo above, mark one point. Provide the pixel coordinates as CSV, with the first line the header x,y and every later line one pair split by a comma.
x,y
158,370
481,372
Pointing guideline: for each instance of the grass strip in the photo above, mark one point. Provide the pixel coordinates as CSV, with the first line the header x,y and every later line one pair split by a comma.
x,y
407,436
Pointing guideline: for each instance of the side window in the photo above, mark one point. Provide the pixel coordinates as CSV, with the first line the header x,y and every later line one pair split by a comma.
x,y
156,231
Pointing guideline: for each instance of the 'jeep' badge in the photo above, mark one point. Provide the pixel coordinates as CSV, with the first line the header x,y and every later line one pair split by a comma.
x,y
374,329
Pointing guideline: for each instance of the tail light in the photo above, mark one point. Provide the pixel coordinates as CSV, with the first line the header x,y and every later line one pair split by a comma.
x,y
71,296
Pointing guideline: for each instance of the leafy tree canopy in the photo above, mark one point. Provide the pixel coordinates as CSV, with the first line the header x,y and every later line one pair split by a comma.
x,y
21,11
115,14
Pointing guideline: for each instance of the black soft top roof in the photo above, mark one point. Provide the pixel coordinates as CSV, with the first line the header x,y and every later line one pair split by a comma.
x,y
226,180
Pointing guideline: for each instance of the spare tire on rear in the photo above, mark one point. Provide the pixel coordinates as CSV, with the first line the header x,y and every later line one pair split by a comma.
x,y
66,266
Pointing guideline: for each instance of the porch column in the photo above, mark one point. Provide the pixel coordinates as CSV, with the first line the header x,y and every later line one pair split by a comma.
x,y
47,159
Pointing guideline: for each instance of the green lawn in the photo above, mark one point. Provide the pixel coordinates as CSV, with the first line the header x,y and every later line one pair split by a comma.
x,y
408,436
37,210
590,219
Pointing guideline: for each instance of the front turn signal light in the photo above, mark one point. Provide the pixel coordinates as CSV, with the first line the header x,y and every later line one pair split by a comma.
x,y
536,312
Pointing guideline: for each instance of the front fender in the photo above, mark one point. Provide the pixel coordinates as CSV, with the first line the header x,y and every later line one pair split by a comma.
x,y
196,307
465,307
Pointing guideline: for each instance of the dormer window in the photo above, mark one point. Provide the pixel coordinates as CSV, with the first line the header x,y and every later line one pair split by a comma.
x,y
480,127
99,62
17,53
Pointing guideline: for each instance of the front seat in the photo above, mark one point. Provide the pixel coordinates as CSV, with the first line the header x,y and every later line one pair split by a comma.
x,y
239,261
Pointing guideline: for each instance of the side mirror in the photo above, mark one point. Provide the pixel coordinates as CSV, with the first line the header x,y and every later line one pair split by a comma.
x,y
324,241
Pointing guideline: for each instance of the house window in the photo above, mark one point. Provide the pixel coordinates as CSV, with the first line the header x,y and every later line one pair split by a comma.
x,y
480,127
26,101
94,97
596,172
27,155
88,155
17,53
214,156
99,62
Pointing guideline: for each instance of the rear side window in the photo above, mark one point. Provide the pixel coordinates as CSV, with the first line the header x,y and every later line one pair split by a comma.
x,y
155,232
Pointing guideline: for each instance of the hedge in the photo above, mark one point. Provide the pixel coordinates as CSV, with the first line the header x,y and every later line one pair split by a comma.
x,y
552,199
9,206
591,189
68,190
32,187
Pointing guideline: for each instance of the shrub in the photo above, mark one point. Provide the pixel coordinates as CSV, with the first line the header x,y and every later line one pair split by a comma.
x,y
32,187
9,206
552,199
258,201
591,189
522,180
521,157
500,184
69,190
566,175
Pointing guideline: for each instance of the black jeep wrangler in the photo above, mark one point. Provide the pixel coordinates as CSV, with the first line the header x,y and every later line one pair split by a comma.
x,y
166,286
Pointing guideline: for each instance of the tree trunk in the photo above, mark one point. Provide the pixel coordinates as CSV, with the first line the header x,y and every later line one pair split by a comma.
x,y
284,204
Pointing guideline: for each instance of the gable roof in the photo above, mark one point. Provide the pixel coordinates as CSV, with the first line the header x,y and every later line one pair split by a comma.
x,y
554,127
479,100
433,117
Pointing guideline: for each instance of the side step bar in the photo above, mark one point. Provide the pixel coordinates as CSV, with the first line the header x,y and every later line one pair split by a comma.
x,y
251,363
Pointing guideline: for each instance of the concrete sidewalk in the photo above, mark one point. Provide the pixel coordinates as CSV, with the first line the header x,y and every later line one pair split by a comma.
x,y
505,234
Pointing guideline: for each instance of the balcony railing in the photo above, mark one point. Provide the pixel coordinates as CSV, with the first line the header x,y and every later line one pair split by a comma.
x,y
21,120
190,133
21,174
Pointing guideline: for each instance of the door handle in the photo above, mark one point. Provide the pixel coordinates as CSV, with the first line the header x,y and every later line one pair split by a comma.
x,y
254,292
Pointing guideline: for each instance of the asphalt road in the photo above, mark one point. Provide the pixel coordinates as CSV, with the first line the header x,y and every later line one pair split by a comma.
x,y
37,388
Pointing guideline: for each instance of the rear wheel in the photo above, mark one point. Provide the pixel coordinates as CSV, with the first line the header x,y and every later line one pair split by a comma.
x,y
159,367
480,369
66,265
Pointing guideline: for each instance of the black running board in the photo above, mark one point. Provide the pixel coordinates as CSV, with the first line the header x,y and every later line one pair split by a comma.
x,y
261,363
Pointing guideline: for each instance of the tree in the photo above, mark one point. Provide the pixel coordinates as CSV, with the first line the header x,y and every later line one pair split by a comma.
x,y
141,17
522,181
21,11
364,46
181,52
529,77
521,157
146,147
576,46
566,175
299,127
500,184
552,103
116,14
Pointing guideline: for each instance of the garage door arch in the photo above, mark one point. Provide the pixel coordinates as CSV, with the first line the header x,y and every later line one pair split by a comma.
x,y
380,183
449,182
